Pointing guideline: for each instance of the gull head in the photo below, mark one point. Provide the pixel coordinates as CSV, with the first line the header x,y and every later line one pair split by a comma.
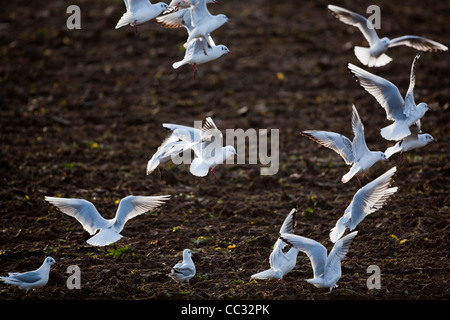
x,y
187,253
222,18
163,5
422,108
228,151
382,156
223,49
50,261
385,41
428,137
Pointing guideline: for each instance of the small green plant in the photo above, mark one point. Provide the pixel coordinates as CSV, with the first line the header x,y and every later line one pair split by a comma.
x,y
117,252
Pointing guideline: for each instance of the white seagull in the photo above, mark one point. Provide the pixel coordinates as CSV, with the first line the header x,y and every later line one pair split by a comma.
x,y
354,153
413,141
91,220
281,263
375,55
368,199
326,269
404,113
140,11
31,279
210,152
197,53
185,270
201,22
204,141
181,139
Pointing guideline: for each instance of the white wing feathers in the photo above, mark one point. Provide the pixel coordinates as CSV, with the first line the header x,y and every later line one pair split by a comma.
x,y
82,210
133,206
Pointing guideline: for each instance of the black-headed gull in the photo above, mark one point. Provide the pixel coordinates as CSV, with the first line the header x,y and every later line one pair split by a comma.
x,y
31,279
326,269
210,152
280,262
404,113
199,22
204,141
182,138
366,200
355,153
140,11
413,141
184,270
91,220
375,55
197,53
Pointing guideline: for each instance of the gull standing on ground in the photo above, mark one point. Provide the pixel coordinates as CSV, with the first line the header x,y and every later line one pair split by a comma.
x,y
404,113
281,263
326,269
31,279
185,270
368,199
354,153
91,220
140,11
413,141
375,55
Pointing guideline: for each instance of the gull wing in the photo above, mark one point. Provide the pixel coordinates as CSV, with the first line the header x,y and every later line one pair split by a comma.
x,y
356,20
340,249
334,141
133,206
315,251
384,91
418,43
371,197
359,141
410,104
82,210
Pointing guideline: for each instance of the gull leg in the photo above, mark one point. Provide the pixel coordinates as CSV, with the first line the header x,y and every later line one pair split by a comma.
x,y
194,68
214,173
136,32
358,180
159,173
402,158
203,46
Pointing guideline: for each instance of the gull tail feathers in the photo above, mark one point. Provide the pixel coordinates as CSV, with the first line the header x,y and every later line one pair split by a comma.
x,y
178,64
392,150
266,274
152,165
338,230
104,237
199,168
124,20
363,54
395,132
354,170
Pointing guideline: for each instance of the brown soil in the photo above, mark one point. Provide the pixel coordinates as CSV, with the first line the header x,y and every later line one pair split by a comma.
x,y
81,114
